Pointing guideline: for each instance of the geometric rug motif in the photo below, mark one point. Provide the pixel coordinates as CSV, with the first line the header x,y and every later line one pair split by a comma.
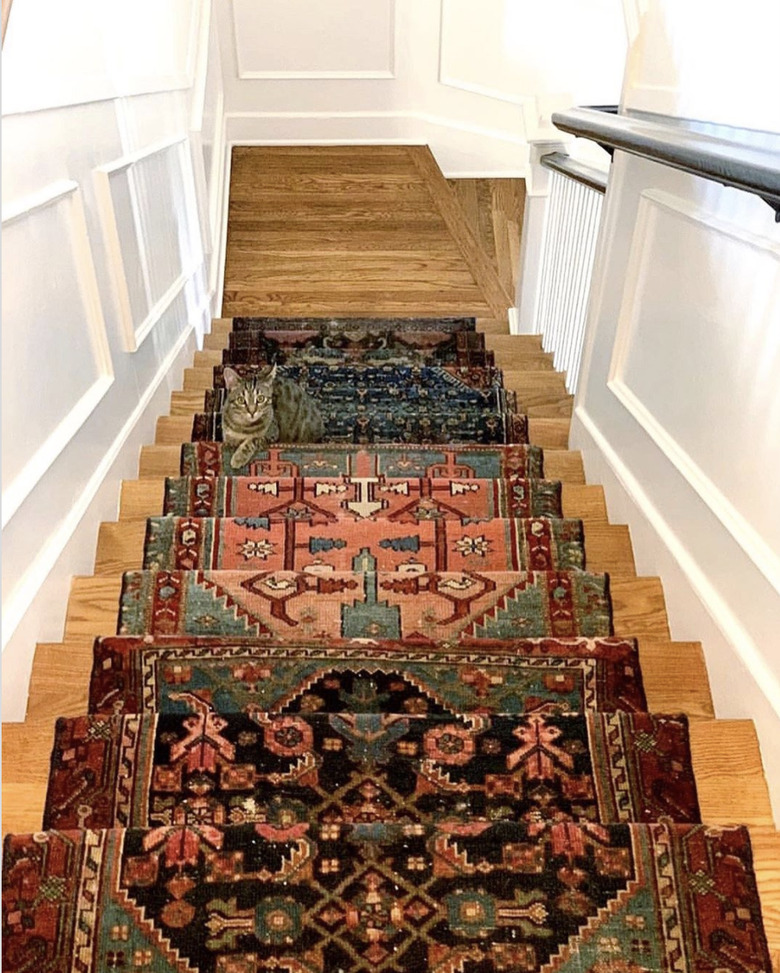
x,y
390,386
205,767
516,461
323,500
252,543
160,673
365,603
332,327
361,346
349,423
479,897
248,363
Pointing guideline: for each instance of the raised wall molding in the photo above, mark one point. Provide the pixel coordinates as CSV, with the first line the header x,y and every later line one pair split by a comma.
x,y
64,192
37,90
37,572
200,67
722,614
450,80
637,272
135,330
383,71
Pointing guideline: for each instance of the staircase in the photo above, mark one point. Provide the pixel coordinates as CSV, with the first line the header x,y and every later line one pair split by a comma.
x,y
345,231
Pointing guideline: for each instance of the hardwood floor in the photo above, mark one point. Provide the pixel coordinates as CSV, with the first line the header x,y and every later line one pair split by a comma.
x,y
377,230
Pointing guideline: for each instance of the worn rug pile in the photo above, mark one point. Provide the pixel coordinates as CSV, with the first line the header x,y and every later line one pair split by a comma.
x,y
365,710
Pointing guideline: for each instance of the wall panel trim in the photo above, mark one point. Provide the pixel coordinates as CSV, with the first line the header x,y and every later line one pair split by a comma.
x,y
745,535
43,457
719,610
293,75
133,333
33,578
450,81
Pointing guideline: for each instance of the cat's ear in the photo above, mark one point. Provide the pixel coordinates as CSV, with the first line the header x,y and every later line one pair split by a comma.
x,y
268,374
232,378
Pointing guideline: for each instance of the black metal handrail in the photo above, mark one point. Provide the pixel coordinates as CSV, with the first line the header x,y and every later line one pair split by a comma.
x,y
730,163
578,171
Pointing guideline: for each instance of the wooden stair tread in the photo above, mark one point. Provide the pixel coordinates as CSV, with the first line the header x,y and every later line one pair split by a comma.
x,y
766,861
120,547
675,678
164,460
543,431
639,607
725,754
144,498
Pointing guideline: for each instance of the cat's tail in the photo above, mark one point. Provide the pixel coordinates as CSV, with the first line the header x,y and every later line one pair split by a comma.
x,y
244,453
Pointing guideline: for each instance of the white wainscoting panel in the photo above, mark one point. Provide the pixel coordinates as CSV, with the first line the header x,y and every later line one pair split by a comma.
x,y
149,213
58,54
514,51
308,39
47,263
668,337
678,68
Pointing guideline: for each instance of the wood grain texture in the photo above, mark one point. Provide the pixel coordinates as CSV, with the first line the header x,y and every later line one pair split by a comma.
x,y
328,233
480,263
494,211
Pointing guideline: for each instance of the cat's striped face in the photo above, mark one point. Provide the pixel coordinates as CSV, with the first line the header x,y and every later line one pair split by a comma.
x,y
251,397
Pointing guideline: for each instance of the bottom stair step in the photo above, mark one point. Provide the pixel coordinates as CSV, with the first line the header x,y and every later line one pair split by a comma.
x,y
478,897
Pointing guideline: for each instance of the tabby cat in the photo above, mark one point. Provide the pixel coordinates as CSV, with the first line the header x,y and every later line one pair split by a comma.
x,y
264,409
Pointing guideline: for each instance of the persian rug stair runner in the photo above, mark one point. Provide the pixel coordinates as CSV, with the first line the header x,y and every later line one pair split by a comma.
x,y
472,896
162,673
247,363
324,500
350,422
365,603
348,385
500,461
360,345
346,325
252,543
364,711
205,767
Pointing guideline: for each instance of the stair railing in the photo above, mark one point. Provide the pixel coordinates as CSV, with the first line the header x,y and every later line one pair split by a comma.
x,y
568,250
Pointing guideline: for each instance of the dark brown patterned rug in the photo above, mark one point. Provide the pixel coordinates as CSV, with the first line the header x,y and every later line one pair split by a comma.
x,y
204,767
473,897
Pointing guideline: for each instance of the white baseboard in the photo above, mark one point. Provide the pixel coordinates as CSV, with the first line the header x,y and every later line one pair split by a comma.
x,y
462,150
37,611
742,683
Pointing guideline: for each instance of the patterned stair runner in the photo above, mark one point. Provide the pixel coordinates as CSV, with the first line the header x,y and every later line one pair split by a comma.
x,y
365,711
252,543
322,500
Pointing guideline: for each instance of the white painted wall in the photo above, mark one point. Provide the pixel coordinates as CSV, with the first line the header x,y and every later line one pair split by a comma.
x,y
679,410
112,174
475,81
